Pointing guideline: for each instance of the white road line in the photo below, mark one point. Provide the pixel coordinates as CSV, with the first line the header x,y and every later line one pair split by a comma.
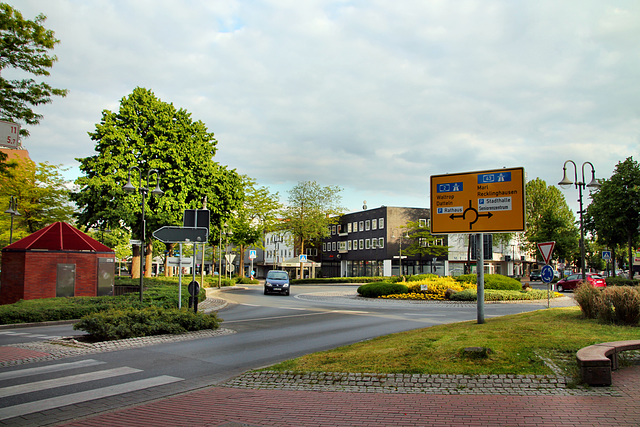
x,y
64,381
85,396
14,333
50,368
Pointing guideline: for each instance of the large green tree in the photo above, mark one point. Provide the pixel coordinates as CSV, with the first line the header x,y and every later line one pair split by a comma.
x,y
257,214
423,242
149,134
549,219
309,212
25,46
614,213
42,198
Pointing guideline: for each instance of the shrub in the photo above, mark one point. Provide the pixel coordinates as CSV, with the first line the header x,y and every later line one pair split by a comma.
x,y
589,299
421,277
378,289
620,305
436,287
247,281
320,280
500,295
493,281
621,281
128,323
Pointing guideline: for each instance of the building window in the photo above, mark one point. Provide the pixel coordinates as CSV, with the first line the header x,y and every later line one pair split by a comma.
x,y
333,246
348,245
333,230
355,245
423,242
374,224
381,223
381,242
361,225
324,247
374,242
342,246
349,228
361,244
367,225
355,227
367,244
422,223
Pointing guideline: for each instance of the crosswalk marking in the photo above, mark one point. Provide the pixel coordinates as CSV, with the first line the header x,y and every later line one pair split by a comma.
x,y
74,398
69,380
29,335
51,368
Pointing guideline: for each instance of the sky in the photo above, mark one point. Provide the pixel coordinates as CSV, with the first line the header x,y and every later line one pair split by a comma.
x,y
373,96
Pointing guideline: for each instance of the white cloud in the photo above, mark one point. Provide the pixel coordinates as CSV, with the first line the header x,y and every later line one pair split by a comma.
x,y
372,96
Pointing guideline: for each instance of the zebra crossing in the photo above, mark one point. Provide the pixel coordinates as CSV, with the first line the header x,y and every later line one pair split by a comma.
x,y
29,335
21,395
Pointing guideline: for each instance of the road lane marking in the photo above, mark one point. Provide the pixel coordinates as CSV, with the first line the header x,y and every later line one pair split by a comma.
x,y
64,381
85,396
50,368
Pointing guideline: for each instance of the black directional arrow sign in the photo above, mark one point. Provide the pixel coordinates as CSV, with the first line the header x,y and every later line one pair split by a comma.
x,y
168,234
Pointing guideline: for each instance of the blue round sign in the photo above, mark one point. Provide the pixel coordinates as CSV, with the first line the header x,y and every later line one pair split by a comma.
x,y
547,274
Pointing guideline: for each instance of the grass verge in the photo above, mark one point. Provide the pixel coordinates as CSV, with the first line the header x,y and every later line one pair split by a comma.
x,y
517,343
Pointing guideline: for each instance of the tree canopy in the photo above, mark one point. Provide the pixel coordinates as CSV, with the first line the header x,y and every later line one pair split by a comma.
x,y
310,210
148,134
423,242
25,46
42,198
549,219
614,213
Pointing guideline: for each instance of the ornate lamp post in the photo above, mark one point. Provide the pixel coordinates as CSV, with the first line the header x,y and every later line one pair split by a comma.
x,y
566,183
143,194
13,211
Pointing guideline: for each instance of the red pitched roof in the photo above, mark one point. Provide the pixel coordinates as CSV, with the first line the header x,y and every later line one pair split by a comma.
x,y
59,236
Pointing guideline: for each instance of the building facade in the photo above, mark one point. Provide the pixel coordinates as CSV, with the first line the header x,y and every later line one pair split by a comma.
x,y
370,242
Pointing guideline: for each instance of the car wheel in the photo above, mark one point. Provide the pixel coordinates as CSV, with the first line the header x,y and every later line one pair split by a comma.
x,y
287,293
265,291
559,288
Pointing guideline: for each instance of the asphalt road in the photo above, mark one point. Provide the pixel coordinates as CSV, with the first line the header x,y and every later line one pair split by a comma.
x,y
268,329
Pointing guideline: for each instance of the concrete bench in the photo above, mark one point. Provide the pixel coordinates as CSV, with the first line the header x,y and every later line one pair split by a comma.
x,y
597,361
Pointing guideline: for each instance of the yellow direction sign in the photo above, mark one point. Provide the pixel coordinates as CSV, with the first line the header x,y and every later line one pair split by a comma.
x,y
478,202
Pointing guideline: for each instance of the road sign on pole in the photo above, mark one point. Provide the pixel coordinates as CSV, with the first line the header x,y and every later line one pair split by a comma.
x,y
546,249
478,202
168,234
606,255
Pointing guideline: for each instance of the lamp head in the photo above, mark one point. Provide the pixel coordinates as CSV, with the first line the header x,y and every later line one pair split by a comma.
x,y
566,181
128,187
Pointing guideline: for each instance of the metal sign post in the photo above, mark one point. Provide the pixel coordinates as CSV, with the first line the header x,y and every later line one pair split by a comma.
x,y
480,281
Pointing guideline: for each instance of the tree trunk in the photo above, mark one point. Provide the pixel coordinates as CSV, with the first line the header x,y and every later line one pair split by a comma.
x,y
630,257
135,262
168,271
241,263
148,259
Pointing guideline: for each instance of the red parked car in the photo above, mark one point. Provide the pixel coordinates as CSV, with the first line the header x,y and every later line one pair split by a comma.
x,y
571,282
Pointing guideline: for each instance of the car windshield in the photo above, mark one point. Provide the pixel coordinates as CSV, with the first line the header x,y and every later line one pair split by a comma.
x,y
277,275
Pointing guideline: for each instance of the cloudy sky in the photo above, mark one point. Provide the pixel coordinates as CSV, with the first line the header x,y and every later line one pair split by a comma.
x,y
374,96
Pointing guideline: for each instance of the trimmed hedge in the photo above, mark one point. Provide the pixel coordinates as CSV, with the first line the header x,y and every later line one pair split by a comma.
x,y
321,280
493,281
500,295
378,289
621,281
128,323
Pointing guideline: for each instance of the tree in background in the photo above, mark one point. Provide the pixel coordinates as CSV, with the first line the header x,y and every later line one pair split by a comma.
x,y
256,215
42,197
423,242
549,219
614,213
310,211
151,134
25,46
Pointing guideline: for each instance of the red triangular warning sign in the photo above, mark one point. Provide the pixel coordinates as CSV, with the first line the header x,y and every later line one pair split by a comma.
x,y
546,249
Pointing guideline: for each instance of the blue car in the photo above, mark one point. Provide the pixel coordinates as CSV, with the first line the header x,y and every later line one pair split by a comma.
x,y
277,281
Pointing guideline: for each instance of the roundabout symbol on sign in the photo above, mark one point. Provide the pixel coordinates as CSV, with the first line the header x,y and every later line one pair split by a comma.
x,y
547,274
474,210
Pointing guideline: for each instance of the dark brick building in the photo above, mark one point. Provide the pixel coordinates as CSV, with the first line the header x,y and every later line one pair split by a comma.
x,y
368,243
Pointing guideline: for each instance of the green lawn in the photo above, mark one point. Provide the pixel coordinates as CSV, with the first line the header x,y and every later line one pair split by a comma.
x,y
517,343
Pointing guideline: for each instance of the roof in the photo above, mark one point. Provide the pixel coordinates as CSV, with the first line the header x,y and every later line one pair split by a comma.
x,y
59,236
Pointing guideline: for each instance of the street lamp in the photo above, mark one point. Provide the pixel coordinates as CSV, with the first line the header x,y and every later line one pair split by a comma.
x,y
566,183
143,193
406,234
13,211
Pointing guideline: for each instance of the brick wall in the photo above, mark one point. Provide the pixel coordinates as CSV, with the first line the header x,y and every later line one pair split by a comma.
x,y
32,275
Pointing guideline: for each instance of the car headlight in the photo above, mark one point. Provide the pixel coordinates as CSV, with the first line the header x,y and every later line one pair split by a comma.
x,y
286,285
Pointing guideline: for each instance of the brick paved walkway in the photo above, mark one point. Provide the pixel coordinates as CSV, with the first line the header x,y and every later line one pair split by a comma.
x,y
232,407
10,354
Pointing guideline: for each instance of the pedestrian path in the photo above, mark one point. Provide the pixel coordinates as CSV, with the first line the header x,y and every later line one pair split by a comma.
x,y
64,384
233,407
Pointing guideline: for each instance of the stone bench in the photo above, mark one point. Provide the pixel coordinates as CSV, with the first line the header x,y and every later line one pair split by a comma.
x,y
597,361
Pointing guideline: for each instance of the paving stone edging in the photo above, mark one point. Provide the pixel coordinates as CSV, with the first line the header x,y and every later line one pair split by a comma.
x,y
522,385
